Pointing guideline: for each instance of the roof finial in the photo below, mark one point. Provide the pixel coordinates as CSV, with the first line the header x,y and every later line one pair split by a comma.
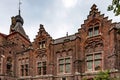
x,y
67,34
19,6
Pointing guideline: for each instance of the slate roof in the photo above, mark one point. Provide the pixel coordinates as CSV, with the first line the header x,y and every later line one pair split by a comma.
x,y
61,40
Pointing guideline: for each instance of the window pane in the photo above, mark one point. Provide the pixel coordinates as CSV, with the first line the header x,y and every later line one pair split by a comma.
x,y
98,65
96,30
40,45
26,66
26,69
39,71
61,61
89,65
22,66
22,70
97,56
90,32
67,68
43,44
39,64
67,60
61,68
39,68
44,70
63,78
26,72
90,57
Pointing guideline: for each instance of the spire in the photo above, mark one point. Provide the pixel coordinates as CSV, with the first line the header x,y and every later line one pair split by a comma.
x,y
19,7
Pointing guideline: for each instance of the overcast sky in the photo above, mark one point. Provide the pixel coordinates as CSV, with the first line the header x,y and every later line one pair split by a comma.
x,y
57,16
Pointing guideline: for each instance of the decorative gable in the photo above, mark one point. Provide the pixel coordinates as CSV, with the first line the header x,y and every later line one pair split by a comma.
x,y
42,39
94,18
42,34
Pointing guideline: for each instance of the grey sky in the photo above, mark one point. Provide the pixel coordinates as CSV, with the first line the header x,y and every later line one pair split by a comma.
x,y
57,16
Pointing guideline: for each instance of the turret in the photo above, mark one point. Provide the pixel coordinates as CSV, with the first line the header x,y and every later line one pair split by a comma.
x,y
17,24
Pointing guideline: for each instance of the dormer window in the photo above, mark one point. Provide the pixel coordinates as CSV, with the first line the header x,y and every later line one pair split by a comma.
x,y
93,31
42,44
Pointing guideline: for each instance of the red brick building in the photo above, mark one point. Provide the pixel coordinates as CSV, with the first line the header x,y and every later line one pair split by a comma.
x,y
94,47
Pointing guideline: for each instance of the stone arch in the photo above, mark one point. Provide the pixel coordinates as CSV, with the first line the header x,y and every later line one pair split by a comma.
x,y
58,54
64,53
70,52
44,57
93,22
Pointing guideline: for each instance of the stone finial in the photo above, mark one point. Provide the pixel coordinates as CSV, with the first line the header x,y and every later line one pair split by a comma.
x,y
94,10
93,6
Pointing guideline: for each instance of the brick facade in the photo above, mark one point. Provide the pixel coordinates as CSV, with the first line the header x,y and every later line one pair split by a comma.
x,y
93,48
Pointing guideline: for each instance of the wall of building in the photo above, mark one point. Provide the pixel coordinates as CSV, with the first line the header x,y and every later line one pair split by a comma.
x,y
73,57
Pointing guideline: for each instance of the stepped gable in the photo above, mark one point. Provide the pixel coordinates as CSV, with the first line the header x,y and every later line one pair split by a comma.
x,y
42,34
94,16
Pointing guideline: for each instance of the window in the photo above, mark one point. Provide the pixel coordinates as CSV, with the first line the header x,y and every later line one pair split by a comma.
x,y
94,62
24,70
9,66
67,65
41,69
90,62
44,68
93,31
90,32
64,65
61,65
63,78
96,31
23,66
42,44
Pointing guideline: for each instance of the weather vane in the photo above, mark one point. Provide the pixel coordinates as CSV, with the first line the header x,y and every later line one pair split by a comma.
x,y
19,6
